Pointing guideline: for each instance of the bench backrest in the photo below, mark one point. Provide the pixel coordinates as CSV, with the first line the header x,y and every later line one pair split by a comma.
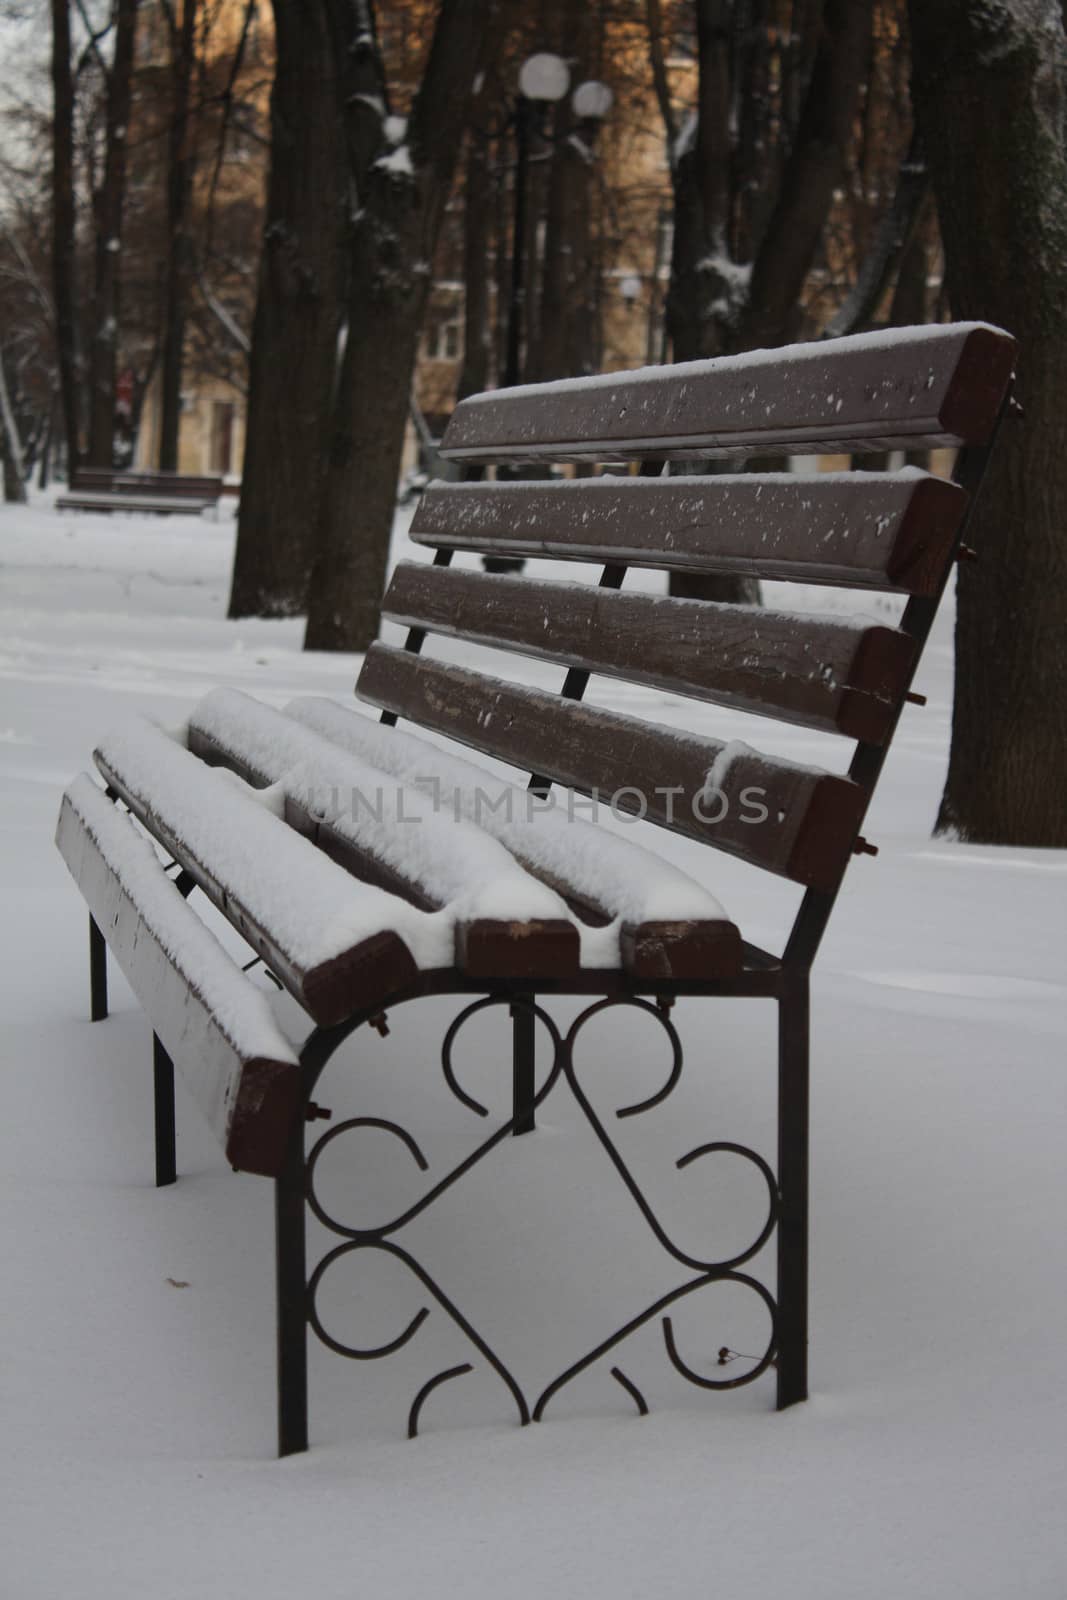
x,y
109,480
893,532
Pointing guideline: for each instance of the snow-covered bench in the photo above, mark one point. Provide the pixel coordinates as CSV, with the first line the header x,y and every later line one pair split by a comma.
x,y
365,865
158,493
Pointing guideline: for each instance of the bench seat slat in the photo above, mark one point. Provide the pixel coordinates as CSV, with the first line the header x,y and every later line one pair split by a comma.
x,y
810,817
335,944
889,390
394,836
214,1023
821,673
665,924
865,530
158,505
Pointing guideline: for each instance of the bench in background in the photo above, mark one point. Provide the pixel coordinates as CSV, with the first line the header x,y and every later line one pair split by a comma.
x,y
159,493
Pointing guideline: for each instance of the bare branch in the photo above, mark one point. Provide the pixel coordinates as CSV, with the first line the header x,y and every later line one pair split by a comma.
x,y
659,74
894,234
95,36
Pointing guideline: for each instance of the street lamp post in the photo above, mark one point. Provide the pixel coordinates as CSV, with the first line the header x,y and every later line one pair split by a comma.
x,y
543,79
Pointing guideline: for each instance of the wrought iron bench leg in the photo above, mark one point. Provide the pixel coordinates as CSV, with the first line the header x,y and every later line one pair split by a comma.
x,y
524,1026
163,1076
291,1274
793,1036
97,973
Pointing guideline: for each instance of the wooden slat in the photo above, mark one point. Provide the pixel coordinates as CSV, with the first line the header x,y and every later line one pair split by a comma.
x,y
867,530
900,388
484,947
813,671
491,948
707,946
810,818
373,968
250,1101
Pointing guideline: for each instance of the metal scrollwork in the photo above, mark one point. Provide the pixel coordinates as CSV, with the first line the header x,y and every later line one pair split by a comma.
x,y
707,1272
378,1238
710,1272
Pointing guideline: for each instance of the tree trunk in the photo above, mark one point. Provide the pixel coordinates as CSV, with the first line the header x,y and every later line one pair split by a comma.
x,y
11,446
108,206
298,318
401,201
990,89
813,171
63,262
474,373
180,163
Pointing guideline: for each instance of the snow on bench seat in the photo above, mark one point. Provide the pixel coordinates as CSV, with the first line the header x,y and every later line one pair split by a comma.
x,y
390,833
216,1026
660,922
336,943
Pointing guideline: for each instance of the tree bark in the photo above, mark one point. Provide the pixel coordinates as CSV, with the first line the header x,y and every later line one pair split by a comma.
x,y
179,272
892,248
401,201
10,446
990,89
63,260
108,206
477,338
568,312
813,171
297,321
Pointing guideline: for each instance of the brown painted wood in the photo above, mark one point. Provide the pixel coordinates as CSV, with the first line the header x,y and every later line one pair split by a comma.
x,y
250,1103
492,948
811,818
894,390
801,669
859,530
117,481
681,950
376,968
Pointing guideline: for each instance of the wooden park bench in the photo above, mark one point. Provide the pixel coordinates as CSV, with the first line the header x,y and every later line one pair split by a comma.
x,y
306,844
157,493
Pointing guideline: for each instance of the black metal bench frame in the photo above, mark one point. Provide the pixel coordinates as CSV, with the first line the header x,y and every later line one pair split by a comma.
x,y
783,980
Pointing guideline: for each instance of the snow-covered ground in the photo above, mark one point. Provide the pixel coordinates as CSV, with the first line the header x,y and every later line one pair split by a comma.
x,y
137,1342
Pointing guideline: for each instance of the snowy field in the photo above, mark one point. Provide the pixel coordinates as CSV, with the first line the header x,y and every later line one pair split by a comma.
x,y
137,1346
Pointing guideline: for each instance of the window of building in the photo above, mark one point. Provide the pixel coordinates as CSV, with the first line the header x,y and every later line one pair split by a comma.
x,y
444,334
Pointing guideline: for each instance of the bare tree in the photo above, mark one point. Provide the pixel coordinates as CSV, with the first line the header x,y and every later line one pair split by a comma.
x,y
14,466
63,226
990,88
401,185
181,161
108,207
298,315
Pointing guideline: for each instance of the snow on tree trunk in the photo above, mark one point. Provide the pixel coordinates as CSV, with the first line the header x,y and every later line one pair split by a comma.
x,y
990,88
298,317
